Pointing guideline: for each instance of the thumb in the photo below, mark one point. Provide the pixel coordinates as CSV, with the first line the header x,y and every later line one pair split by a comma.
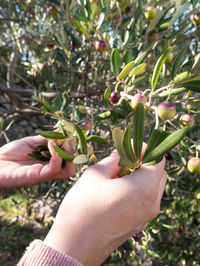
x,y
108,167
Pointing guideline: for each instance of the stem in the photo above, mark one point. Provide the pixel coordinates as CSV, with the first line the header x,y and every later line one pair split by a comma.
x,y
186,99
117,85
161,89
146,91
125,95
156,116
87,70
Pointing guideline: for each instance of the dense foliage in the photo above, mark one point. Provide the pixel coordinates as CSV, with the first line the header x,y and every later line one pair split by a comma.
x,y
65,59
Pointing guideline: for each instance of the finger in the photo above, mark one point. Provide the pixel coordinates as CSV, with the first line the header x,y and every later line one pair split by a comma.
x,y
156,168
34,140
163,182
54,166
69,168
156,205
69,145
108,167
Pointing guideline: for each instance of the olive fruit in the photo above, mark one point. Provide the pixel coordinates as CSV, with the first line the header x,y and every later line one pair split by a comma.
x,y
166,110
187,120
115,97
150,12
100,45
194,165
137,237
138,98
86,124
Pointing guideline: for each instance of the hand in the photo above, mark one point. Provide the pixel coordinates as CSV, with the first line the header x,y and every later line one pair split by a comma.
x,y
101,211
18,169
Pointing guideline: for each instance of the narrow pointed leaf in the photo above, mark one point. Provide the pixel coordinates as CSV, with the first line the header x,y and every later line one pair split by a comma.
x,y
158,68
80,159
43,147
153,162
114,62
192,85
126,70
139,70
79,26
155,139
51,134
166,145
38,157
65,102
179,59
82,138
138,129
48,106
107,94
97,139
118,136
63,154
172,92
127,144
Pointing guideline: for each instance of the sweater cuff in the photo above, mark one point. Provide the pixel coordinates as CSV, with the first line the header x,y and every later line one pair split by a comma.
x,y
38,253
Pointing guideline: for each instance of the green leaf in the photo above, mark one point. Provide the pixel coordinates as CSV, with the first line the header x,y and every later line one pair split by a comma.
x,y
128,56
63,154
140,58
65,102
80,159
51,134
127,145
172,92
104,115
114,62
107,94
126,70
79,26
82,138
138,129
48,106
57,102
38,157
118,137
166,145
155,139
89,9
43,147
180,77
139,69
154,161
179,59
158,68
192,85
97,139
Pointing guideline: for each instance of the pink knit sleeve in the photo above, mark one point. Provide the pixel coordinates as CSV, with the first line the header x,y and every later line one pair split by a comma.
x,y
39,254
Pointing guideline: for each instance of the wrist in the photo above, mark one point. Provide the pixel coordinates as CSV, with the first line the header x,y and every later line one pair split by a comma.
x,y
78,236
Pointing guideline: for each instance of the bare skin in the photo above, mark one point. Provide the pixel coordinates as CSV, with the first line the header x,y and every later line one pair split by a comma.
x,y
18,169
100,212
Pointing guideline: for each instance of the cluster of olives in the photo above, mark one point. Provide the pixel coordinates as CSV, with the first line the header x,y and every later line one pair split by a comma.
x,y
166,111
